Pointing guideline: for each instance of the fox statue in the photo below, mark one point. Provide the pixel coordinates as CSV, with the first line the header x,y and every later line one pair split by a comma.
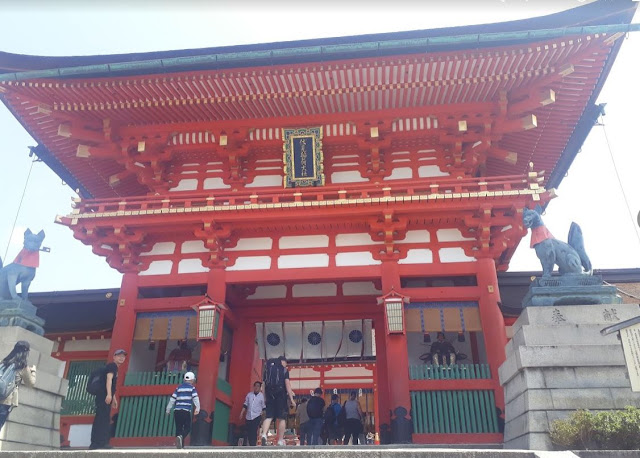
x,y
23,269
570,257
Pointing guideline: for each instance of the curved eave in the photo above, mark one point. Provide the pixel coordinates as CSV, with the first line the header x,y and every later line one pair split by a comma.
x,y
612,15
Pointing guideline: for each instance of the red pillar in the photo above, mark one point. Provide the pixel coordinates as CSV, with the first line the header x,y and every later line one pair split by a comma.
x,y
241,367
493,328
381,382
210,349
397,357
125,322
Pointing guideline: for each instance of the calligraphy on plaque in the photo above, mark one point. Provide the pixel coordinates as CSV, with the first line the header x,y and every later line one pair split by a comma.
x,y
303,157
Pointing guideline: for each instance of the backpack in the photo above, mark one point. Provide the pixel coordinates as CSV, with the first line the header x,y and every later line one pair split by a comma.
x,y
274,376
330,415
342,416
7,380
314,407
96,383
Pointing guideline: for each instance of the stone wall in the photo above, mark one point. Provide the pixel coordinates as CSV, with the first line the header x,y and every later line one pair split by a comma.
x,y
35,424
558,362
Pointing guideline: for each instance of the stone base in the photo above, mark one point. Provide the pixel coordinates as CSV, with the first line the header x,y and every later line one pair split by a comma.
x,y
570,290
557,362
22,313
35,423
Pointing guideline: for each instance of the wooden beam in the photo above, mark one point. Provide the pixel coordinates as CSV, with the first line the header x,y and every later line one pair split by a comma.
x,y
68,130
542,98
516,125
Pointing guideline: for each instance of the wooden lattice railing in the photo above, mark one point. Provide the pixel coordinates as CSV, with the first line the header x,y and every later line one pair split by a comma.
x,y
454,412
455,372
357,193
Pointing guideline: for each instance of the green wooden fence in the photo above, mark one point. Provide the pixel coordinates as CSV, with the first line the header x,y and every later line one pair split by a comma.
x,y
454,411
455,372
78,401
144,416
154,378
221,422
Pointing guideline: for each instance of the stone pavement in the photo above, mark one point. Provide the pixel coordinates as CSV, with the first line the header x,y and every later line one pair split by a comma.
x,y
317,452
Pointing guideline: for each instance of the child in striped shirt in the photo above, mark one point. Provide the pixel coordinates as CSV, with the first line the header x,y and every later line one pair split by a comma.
x,y
184,398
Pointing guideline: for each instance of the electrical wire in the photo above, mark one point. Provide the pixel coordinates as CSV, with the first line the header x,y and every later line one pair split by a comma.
x,y
624,194
621,290
24,191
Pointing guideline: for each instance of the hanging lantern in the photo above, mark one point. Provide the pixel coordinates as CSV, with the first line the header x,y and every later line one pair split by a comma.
x,y
393,303
208,318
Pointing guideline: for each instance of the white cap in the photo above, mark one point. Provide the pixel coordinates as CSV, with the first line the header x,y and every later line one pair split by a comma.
x,y
189,376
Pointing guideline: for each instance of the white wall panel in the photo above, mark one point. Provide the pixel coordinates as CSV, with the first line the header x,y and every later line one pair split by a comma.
x,y
454,254
257,243
269,292
451,235
359,288
158,268
296,261
303,241
358,258
417,256
191,266
261,181
251,263
355,239
161,248
186,185
214,183
193,246
315,290
417,236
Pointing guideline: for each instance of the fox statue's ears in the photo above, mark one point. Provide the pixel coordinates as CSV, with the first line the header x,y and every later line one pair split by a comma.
x,y
39,234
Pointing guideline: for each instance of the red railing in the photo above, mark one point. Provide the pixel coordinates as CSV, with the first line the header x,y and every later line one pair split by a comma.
x,y
405,189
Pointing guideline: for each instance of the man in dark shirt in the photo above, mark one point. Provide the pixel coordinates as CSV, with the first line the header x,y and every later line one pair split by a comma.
x,y
442,351
276,402
101,430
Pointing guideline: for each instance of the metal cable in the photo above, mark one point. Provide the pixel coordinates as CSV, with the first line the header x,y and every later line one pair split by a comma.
x,y
13,228
624,194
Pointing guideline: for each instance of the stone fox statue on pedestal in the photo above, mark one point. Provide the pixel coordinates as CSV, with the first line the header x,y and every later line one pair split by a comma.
x,y
570,258
23,268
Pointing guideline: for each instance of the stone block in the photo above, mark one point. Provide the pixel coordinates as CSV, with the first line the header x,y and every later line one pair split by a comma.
x,y
584,398
31,435
572,334
586,377
623,397
41,399
523,381
531,441
11,446
535,421
32,416
576,314
528,401
570,356
48,382
38,343
50,365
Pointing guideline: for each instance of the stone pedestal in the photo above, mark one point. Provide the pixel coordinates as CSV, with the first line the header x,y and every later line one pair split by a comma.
x,y
19,312
35,424
557,362
570,290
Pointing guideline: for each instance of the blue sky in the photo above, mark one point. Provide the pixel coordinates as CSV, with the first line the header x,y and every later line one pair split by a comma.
x,y
590,194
